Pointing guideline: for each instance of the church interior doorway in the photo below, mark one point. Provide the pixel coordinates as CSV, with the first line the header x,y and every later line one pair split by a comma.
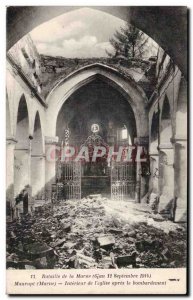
x,y
97,114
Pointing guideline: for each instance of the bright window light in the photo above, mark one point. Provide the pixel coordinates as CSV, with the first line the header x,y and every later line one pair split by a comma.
x,y
124,134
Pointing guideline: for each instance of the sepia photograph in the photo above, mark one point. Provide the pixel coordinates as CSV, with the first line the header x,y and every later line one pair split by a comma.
x,y
96,145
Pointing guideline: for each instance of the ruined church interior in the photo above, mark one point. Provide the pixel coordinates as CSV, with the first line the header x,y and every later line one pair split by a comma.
x,y
84,100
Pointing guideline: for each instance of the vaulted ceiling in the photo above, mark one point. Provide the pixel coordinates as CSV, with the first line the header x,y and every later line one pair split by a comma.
x,y
166,25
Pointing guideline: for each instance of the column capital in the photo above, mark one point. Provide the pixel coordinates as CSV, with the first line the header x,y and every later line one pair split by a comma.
x,y
142,140
166,146
154,154
40,156
168,156
179,141
11,140
27,150
178,138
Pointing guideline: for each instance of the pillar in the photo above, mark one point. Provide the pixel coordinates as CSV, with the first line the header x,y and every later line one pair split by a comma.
x,y
22,175
10,147
154,179
180,164
38,177
166,180
142,179
50,164
154,168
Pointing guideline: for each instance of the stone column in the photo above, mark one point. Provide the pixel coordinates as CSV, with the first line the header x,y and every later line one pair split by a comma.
x,y
166,180
154,168
38,177
141,179
22,162
50,164
180,166
154,178
138,183
180,147
10,147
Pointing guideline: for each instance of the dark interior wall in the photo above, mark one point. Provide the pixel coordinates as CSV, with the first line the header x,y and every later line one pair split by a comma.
x,y
96,102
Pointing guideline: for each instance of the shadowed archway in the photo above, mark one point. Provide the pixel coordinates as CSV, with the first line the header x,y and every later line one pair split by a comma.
x,y
22,188
123,84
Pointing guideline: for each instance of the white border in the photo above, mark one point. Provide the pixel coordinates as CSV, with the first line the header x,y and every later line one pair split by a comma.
x,y
3,5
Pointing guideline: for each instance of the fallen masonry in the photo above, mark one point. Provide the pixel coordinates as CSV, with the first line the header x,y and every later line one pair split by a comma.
x,y
106,241
94,233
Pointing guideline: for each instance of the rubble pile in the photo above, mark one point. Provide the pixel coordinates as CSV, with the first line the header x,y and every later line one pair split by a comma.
x,y
82,234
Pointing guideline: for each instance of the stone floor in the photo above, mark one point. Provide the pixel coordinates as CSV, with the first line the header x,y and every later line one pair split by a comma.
x,y
95,233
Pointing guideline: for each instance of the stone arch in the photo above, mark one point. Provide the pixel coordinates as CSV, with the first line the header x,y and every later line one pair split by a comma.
x,y
91,98
22,127
37,160
68,85
22,123
125,85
